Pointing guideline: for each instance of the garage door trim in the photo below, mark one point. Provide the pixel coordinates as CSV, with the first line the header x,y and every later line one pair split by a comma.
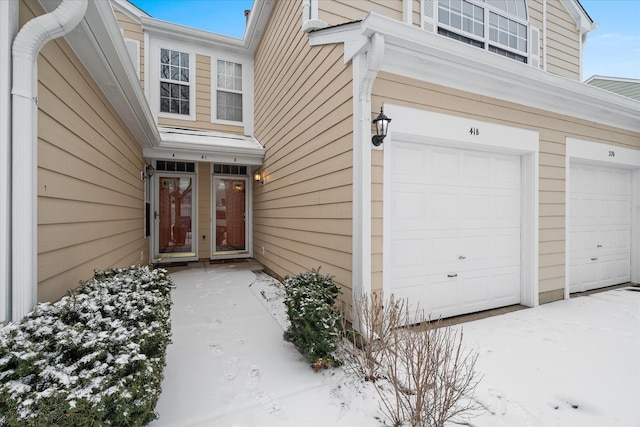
x,y
591,152
425,127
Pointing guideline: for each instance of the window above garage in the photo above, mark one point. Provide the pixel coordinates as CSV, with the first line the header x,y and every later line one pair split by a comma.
x,y
499,26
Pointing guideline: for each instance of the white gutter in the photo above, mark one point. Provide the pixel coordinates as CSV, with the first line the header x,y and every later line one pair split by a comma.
x,y
26,47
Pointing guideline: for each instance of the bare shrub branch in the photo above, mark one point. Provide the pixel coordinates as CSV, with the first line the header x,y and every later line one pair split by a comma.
x,y
422,374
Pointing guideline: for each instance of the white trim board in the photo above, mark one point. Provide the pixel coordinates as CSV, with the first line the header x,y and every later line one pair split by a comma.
x,y
421,126
591,152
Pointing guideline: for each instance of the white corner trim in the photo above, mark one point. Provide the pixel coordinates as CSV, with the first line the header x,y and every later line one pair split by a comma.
x,y
26,47
422,126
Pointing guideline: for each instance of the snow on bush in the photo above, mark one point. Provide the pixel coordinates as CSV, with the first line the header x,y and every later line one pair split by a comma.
x,y
310,300
95,357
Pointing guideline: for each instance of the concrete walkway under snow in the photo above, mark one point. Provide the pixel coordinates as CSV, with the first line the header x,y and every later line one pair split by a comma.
x,y
228,364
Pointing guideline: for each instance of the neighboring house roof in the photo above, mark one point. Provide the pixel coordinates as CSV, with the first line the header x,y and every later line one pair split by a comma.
x,y
622,86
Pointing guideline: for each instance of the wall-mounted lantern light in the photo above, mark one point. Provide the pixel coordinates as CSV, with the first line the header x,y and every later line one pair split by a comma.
x,y
382,126
257,177
149,170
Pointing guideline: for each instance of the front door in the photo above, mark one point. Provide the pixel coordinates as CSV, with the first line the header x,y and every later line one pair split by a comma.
x,y
174,216
230,227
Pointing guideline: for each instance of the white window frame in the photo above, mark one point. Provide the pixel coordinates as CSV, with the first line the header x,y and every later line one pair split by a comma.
x,y
485,39
246,92
154,78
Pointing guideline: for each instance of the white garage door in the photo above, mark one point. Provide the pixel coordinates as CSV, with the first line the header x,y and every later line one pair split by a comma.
x,y
455,228
599,227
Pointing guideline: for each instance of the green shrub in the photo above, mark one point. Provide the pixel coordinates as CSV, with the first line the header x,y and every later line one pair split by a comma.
x,y
93,358
310,301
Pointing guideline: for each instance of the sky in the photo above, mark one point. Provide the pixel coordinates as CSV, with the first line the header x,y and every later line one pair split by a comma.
x,y
611,50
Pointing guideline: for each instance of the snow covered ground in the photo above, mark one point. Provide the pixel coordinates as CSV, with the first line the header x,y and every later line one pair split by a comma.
x,y
568,363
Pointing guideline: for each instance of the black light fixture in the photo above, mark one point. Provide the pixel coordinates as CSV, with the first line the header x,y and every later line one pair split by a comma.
x,y
382,126
149,170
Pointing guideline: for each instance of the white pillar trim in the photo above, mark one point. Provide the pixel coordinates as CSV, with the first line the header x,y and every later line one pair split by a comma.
x,y
365,69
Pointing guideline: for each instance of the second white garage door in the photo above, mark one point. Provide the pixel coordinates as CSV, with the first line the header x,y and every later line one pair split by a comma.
x,y
455,228
599,227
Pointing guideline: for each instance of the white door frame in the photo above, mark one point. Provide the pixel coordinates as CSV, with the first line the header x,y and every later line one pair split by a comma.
x,y
426,127
248,220
155,229
598,153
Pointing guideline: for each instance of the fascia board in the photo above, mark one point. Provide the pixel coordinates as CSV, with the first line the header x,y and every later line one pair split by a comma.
x,y
197,154
129,9
258,19
583,21
415,53
99,45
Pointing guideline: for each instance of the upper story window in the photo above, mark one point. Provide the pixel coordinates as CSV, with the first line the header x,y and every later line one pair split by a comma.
x,y
499,26
228,91
175,87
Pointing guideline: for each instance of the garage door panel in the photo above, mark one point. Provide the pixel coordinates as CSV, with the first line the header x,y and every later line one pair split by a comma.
x,y
468,227
408,161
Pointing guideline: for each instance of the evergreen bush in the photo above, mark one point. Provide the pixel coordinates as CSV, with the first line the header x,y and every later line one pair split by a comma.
x,y
95,357
311,306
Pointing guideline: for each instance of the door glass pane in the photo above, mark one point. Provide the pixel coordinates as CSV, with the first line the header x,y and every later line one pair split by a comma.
x,y
230,214
174,214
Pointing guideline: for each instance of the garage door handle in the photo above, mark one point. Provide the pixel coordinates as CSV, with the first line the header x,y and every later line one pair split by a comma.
x,y
599,246
594,259
462,257
452,275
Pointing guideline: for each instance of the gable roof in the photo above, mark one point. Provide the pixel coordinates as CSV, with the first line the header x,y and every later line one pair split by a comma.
x,y
622,86
98,42
412,52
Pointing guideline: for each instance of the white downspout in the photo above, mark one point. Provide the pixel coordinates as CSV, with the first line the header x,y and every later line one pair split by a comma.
x,y
26,47
8,31
365,70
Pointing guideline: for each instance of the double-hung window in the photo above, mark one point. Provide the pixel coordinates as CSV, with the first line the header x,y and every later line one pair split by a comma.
x,y
175,89
228,91
499,26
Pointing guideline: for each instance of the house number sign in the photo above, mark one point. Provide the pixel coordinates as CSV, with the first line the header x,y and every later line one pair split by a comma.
x,y
474,131
612,153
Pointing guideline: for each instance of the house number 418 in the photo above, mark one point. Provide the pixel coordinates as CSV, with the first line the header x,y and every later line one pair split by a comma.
x,y
612,153
474,131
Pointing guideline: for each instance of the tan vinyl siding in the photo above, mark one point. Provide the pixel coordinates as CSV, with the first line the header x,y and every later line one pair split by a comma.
x,y
335,12
90,194
203,103
302,215
204,211
563,42
132,30
553,130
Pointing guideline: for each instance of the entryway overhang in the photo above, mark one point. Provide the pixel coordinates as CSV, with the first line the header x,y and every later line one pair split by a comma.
x,y
206,146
